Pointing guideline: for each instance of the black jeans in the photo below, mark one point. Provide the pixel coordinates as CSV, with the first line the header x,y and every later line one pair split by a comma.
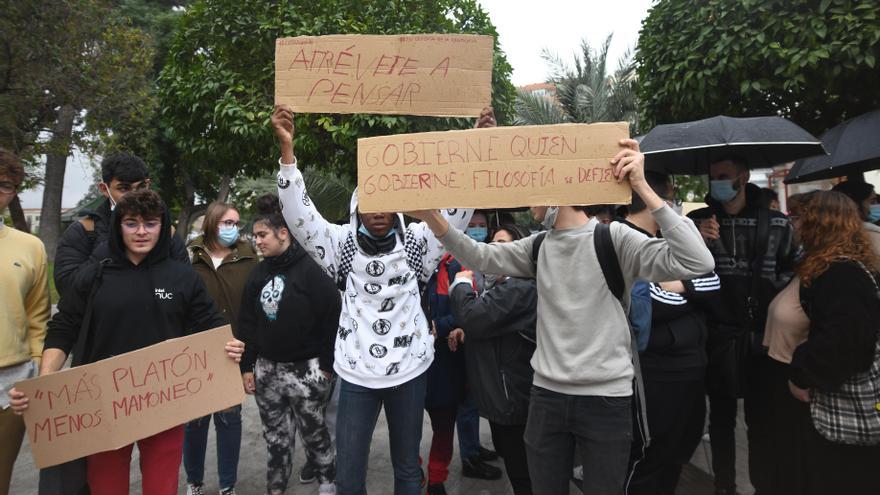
x,y
510,445
676,413
760,397
600,428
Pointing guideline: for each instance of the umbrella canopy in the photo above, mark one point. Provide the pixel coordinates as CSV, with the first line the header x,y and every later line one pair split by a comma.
x,y
854,147
689,147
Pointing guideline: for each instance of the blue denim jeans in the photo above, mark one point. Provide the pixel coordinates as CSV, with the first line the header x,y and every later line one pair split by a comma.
x,y
468,425
227,423
599,428
358,412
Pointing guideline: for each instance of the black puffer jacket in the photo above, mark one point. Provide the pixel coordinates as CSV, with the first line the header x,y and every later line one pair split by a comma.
x,y
499,328
77,247
135,306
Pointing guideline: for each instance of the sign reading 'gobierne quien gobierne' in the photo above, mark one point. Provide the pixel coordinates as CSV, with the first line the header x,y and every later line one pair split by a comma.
x,y
447,75
499,167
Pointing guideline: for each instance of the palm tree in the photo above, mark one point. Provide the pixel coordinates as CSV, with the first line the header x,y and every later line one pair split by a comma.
x,y
585,93
330,192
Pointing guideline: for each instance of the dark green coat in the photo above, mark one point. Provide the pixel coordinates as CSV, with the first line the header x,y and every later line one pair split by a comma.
x,y
226,283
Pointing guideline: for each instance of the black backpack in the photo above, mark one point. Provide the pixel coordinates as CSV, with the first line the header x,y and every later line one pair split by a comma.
x,y
610,264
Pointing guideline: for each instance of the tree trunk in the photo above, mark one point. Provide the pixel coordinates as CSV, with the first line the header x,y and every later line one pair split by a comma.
x,y
223,191
186,208
17,214
53,186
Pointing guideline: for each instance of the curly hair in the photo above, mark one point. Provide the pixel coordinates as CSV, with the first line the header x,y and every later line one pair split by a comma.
x,y
830,229
144,203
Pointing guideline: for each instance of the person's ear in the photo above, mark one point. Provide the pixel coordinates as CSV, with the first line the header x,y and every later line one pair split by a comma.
x,y
104,189
147,183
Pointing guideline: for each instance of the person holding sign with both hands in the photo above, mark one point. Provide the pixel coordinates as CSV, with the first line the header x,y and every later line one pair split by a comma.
x,y
141,296
583,383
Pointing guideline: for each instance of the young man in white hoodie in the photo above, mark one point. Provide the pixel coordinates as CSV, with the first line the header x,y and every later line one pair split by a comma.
x,y
583,383
384,343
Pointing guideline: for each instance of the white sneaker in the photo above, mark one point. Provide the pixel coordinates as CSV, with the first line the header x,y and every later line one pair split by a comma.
x,y
327,489
193,489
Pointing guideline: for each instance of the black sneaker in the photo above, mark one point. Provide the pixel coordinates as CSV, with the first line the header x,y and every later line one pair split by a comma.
x,y
475,468
437,489
308,474
487,455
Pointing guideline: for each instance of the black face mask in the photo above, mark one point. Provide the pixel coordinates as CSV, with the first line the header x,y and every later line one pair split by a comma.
x,y
373,246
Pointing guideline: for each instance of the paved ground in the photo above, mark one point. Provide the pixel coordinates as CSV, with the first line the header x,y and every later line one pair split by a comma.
x,y
380,477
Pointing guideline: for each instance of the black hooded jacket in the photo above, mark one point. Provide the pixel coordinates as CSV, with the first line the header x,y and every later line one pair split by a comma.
x,y
289,311
734,253
77,246
135,306
499,328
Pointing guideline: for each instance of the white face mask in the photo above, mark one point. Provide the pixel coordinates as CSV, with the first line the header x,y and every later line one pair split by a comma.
x,y
550,217
109,196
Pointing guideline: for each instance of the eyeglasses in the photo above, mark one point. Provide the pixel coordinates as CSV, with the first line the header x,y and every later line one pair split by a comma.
x,y
230,224
134,226
7,187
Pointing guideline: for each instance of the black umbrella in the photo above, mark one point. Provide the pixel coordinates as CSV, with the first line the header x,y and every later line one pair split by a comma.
x,y
854,146
689,147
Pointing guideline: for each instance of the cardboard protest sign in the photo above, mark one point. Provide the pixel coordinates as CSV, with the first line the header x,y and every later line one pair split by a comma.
x,y
499,167
422,74
114,402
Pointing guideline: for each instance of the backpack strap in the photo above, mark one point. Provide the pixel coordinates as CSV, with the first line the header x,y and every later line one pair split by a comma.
x,y
762,240
608,260
536,246
85,327
610,264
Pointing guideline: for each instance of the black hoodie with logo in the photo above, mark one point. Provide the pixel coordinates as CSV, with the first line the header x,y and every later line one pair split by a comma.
x,y
289,311
135,306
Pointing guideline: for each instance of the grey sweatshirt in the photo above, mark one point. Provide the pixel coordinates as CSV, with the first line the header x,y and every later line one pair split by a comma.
x,y
583,336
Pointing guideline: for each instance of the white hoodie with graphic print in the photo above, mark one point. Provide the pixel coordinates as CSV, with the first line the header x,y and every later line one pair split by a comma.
x,y
383,338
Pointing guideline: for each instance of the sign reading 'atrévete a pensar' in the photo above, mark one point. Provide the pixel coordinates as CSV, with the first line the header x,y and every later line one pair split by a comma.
x,y
420,74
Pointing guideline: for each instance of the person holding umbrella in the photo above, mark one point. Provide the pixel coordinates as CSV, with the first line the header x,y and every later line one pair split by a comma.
x,y
754,252
754,256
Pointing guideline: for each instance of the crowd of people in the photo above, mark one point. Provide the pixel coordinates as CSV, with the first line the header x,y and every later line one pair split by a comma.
x,y
593,349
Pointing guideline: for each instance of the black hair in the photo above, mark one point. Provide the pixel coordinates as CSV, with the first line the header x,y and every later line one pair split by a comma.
x,y
738,161
143,203
124,167
515,231
768,196
856,190
11,167
269,212
659,183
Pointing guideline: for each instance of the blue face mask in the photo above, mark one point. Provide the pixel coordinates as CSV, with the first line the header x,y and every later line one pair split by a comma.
x,y
363,230
722,190
228,235
478,234
874,214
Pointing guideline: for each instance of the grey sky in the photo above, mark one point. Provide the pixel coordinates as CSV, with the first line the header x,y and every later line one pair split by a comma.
x,y
526,27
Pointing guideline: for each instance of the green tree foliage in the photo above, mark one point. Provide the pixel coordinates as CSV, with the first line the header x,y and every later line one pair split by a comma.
x,y
585,92
217,88
76,74
814,62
